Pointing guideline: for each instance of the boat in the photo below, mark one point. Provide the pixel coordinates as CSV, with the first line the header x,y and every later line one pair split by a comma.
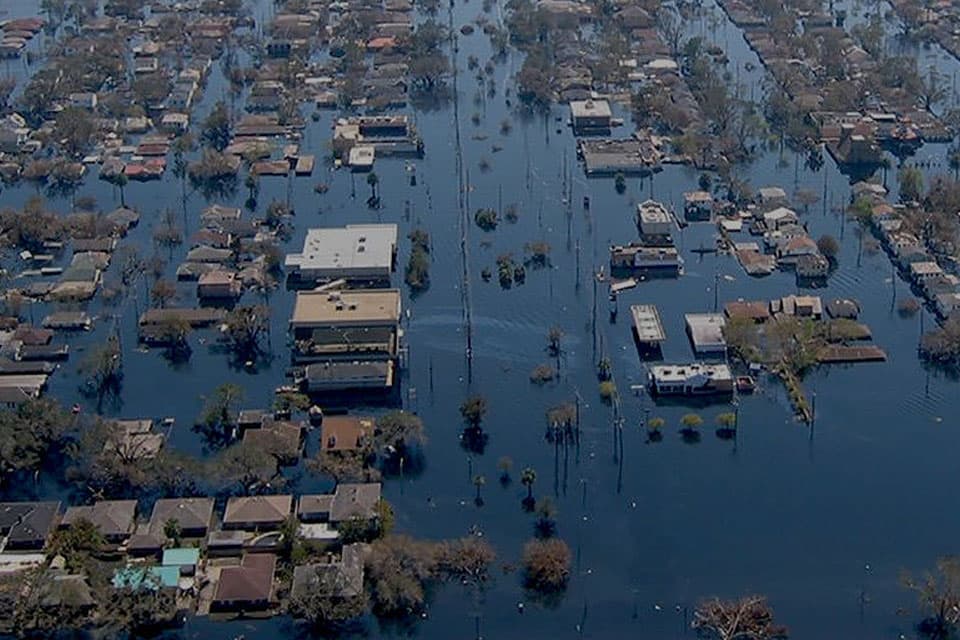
x,y
746,384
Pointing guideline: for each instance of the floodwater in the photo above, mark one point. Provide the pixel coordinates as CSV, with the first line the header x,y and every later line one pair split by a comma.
x,y
820,520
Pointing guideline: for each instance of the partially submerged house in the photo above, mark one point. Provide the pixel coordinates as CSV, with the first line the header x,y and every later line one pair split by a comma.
x,y
356,252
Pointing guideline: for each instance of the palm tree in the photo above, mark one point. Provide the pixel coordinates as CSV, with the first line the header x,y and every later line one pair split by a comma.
x,y
505,464
373,180
478,482
527,477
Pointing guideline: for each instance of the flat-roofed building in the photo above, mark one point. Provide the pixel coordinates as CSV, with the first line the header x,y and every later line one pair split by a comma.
x,y
348,339
647,324
359,308
345,376
654,218
354,252
691,379
590,116
706,333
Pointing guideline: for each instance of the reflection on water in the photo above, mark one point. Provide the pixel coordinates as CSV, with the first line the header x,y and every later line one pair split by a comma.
x,y
654,526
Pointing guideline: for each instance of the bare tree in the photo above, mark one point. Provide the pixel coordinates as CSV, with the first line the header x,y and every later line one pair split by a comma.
x,y
938,594
748,618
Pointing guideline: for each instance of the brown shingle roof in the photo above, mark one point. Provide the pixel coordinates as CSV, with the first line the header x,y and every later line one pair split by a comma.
x,y
257,509
251,582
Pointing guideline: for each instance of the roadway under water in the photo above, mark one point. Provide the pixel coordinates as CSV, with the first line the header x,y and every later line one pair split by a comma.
x,y
821,521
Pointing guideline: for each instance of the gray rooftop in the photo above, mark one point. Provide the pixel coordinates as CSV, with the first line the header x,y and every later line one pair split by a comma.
x,y
706,331
356,247
590,108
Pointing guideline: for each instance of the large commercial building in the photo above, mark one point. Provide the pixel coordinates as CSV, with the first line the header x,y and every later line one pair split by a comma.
x,y
357,252
347,339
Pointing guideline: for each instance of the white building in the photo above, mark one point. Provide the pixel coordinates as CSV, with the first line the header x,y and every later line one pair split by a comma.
x,y
354,252
706,333
691,379
654,218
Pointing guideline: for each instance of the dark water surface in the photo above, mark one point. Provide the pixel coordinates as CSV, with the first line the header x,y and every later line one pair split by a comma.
x,y
822,522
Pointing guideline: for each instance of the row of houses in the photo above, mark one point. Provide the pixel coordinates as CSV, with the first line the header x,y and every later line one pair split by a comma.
x,y
654,254
915,259
181,545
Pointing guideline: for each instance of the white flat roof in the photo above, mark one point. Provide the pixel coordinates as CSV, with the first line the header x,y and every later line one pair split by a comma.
x,y
684,372
590,108
653,211
706,330
354,247
646,320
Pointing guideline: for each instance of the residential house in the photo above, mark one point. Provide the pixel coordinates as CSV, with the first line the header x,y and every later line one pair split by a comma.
x,y
340,579
697,205
799,306
771,197
132,440
779,218
113,518
648,261
282,439
345,433
184,559
922,271
248,587
348,501
257,512
194,516
27,525
220,284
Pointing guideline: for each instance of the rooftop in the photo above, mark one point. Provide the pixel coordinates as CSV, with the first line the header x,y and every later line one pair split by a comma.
x,y
252,581
706,331
653,211
646,321
590,109
374,306
257,509
682,373
356,247
344,433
